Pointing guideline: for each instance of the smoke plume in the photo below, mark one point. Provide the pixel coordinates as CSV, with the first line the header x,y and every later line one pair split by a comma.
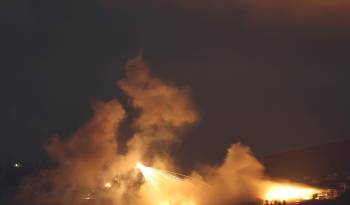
x,y
164,109
90,170
88,159
83,160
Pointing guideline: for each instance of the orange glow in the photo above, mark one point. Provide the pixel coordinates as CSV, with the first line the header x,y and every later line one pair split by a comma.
x,y
163,187
289,192
164,184
90,167
108,185
147,172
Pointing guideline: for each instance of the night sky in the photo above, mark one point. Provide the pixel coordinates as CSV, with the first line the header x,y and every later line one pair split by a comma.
x,y
274,77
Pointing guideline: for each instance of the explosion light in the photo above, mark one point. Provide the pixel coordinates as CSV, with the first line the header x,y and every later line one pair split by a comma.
x,y
290,192
108,185
148,172
164,183
17,165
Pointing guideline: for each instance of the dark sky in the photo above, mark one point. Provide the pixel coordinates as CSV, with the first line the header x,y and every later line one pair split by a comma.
x,y
273,77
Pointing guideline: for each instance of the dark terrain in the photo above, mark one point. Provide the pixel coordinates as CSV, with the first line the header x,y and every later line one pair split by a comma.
x,y
325,165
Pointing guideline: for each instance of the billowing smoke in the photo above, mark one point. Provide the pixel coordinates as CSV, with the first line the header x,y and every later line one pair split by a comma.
x,y
88,160
164,109
90,170
84,160
237,179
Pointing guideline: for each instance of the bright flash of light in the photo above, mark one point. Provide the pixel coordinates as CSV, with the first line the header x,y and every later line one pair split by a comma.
x,y
17,165
87,198
108,185
290,192
156,176
166,186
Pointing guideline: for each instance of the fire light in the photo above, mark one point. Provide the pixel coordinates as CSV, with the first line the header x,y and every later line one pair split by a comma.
x,y
163,184
17,165
289,192
147,172
108,185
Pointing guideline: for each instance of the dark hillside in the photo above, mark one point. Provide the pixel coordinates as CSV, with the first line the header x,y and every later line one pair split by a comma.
x,y
316,164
